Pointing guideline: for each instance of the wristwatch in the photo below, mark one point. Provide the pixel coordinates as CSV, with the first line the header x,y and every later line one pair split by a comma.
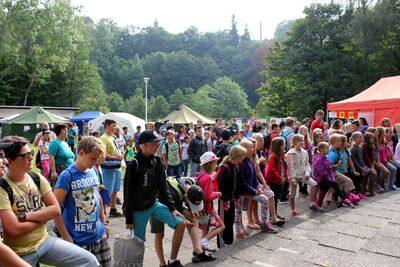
x,y
22,217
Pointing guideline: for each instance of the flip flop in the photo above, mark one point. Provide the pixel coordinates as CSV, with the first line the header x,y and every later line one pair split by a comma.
x,y
254,227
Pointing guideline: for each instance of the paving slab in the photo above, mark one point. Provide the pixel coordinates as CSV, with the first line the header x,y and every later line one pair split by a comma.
x,y
384,245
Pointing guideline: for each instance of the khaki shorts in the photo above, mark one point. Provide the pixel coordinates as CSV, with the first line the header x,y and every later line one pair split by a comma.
x,y
344,182
293,185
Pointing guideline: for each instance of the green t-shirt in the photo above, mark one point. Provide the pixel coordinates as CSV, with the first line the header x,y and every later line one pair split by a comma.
x,y
173,153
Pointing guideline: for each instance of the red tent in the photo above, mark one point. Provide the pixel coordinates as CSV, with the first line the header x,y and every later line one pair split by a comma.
x,y
381,100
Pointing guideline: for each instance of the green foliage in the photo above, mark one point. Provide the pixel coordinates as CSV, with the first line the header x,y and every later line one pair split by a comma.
x,y
331,54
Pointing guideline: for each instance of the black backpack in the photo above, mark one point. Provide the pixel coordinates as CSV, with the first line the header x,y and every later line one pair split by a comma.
x,y
6,187
267,141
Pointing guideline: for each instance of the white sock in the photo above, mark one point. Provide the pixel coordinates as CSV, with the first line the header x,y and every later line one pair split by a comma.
x,y
170,261
204,241
312,203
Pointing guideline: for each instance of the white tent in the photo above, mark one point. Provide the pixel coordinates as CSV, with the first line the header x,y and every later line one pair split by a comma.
x,y
123,120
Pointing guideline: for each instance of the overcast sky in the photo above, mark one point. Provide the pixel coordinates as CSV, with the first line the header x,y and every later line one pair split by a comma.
x,y
206,15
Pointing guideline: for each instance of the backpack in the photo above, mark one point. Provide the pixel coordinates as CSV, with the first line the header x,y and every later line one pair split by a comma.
x,y
284,134
38,162
216,176
267,141
6,187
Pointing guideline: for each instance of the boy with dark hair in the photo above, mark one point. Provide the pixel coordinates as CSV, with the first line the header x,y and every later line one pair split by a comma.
x,y
144,184
197,147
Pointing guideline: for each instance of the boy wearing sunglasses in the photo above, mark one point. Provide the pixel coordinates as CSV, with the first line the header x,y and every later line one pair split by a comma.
x,y
26,207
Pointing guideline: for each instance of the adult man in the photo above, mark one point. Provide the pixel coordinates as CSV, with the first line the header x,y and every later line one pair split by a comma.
x,y
72,137
234,125
126,135
197,147
26,205
318,122
200,124
222,150
43,126
144,184
77,191
172,155
111,169
217,129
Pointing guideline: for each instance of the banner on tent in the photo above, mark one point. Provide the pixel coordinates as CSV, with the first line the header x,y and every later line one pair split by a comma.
x,y
343,114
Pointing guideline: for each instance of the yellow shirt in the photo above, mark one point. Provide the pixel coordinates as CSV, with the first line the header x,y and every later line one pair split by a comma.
x,y
109,142
27,197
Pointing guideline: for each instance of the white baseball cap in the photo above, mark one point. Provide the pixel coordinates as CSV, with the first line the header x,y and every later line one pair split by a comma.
x,y
207,157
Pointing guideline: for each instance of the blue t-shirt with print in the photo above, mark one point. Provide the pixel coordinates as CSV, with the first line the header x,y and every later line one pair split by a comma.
x,y
61,152
81,212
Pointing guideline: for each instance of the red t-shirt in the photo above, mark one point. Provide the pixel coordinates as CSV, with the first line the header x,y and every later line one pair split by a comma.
x,y
317,124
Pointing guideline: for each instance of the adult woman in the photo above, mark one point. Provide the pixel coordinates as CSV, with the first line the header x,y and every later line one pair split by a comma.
x,y
363,125
181,134
60,154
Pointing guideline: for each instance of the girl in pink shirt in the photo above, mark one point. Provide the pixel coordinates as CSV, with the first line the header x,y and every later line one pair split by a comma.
x,y
209,217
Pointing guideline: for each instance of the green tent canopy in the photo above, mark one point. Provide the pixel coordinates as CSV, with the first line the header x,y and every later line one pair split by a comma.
x,y
28,123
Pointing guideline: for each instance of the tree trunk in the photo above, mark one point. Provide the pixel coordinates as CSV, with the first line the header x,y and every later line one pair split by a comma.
x,y
29,89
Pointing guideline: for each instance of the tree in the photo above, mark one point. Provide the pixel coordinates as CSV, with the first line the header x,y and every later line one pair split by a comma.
x,y
246,35
135,105
282,29
158,107
233,37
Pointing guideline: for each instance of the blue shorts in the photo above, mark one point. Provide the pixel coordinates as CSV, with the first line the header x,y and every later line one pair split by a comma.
x,y
112,179
158,211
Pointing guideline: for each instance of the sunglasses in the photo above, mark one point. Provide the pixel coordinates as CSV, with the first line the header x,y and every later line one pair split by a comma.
x,y
26,155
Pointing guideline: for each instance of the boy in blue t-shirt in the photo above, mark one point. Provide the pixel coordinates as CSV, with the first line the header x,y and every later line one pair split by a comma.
x,y
77,190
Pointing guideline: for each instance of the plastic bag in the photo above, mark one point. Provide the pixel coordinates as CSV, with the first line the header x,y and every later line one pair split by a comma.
x,y
128,250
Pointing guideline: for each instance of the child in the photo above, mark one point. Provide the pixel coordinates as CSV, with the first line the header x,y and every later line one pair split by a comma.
x,y
130,150
227,183
324,176
249,186
344,182
362,157
79,194
104,193
303,130
44,153
277,169
386,159
185,156
209,218
347,167
299,170
379,167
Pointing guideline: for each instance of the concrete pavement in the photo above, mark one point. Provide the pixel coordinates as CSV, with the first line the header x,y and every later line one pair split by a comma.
x,y
368,235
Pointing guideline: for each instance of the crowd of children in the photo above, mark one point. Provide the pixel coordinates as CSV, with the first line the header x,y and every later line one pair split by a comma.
x,y
231,171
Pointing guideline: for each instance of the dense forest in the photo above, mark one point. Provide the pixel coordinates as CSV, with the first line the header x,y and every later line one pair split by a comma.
x,y
52,55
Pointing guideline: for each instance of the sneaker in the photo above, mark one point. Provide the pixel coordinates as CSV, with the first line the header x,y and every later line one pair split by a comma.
x,y
245,233
204,256
119,201
315,207
362,197
347,203
379,189
392,187
353,198
208,247
267,228
115,213
240,237
280,217
176,263
295,213
283,201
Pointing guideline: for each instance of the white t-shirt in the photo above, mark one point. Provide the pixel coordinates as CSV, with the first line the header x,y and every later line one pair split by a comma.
x,y
184,151
45,145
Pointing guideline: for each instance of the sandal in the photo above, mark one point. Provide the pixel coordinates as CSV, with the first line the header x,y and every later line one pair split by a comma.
x,y
268,229
278,222
245,233
253,226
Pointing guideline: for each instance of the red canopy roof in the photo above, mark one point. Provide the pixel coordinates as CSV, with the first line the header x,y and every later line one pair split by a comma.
x,y
384,94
